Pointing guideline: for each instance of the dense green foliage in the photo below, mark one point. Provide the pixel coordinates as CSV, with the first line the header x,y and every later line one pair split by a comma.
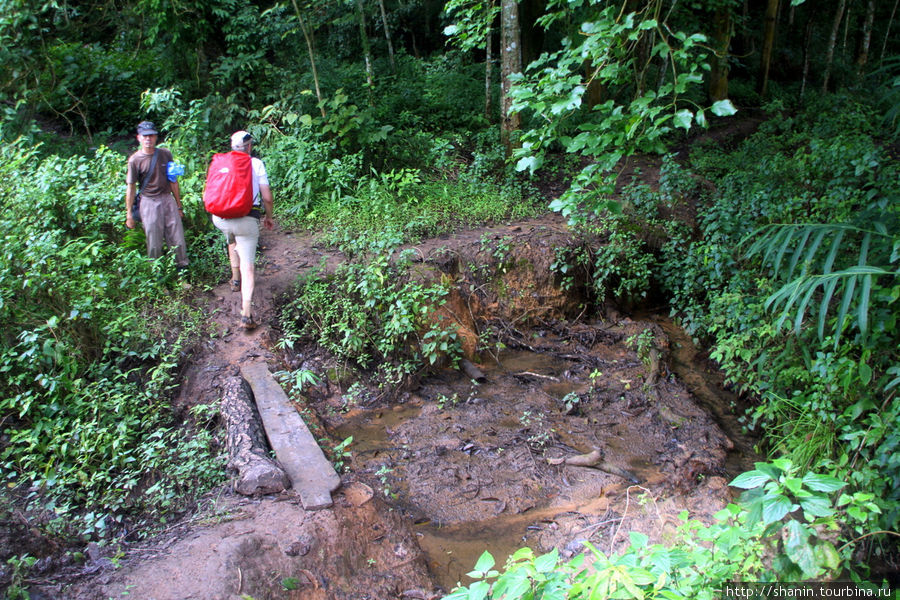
x,y
88,352
827,383
373,313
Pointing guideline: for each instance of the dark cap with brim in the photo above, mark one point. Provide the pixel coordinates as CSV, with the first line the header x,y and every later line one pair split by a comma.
x,y
146,128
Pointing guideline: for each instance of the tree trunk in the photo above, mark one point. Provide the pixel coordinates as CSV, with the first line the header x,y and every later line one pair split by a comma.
x,y
364,40
863,57
488,68
312,57
511,62
887,30
807,42
718,75
832,41
256,473
387,36
768,46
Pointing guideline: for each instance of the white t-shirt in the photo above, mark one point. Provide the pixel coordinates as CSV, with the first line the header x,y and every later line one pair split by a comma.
x,y
259,178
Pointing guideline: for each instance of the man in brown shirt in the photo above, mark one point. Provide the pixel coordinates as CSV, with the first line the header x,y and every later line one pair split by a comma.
x,y
160,206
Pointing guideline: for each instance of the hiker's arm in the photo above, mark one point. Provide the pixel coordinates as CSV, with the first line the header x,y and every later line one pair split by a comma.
x,y
268,202
176,193
129,203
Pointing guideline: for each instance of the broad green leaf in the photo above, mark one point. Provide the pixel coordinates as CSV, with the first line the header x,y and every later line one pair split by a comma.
x,y
723,108
793,484
822,483
799,550
770,469
827,556
638,540
522,554
817,506
529,163
775,507
636,592
701,118
479,590
750,480
513,584
683,118
865,373
485,563
547,562
783,464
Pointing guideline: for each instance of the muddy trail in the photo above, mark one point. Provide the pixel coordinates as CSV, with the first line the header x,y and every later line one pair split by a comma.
x,y
571,424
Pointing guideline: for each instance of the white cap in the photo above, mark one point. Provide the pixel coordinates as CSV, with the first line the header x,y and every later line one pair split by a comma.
x,y
240,138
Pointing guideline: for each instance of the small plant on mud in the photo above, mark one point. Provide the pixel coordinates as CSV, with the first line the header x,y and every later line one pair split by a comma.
x,y
290,583
19,567
355,394
340,455
444,401
539,434
500,252
438,343
489,341
642,343
305,377
383,472
572,403
566,260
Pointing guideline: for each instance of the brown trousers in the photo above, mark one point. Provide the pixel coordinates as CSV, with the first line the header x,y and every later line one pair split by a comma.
x,y
162,222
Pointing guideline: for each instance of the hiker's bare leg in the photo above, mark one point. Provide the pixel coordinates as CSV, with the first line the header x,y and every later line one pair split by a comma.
x,y
246,272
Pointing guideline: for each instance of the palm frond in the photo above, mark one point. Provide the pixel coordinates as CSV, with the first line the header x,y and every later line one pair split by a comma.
x,y
811,278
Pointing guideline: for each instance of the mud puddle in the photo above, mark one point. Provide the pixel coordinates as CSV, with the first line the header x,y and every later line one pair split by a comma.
x,y
578,434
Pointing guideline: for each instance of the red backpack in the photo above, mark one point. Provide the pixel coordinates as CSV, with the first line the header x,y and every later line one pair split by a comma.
x,y
229,187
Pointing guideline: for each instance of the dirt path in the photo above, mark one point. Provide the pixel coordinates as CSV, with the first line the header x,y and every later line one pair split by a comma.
x,y
266,547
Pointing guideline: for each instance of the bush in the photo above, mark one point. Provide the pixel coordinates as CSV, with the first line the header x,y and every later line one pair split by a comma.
x,y
93,335
793,278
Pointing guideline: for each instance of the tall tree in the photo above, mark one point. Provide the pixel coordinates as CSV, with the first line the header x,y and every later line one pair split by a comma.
x,y
387,35
364,40
863,56
721,41
488,59
887,30
832,42
768,45
807,53
312,56
510,64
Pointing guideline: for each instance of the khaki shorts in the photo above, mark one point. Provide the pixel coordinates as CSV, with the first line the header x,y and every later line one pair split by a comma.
x,y
243,231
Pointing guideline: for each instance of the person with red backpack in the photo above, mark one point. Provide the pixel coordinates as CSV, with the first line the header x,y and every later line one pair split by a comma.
x,y
237,188
157,204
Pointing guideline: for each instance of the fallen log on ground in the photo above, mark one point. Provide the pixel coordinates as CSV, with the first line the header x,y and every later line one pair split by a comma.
x,y
594,460
248,460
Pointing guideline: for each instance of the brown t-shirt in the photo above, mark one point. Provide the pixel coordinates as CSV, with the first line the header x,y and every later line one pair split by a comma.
x,y
157,184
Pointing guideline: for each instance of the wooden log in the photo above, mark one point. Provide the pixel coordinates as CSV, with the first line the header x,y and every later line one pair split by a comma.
x,y
248,460
472,371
